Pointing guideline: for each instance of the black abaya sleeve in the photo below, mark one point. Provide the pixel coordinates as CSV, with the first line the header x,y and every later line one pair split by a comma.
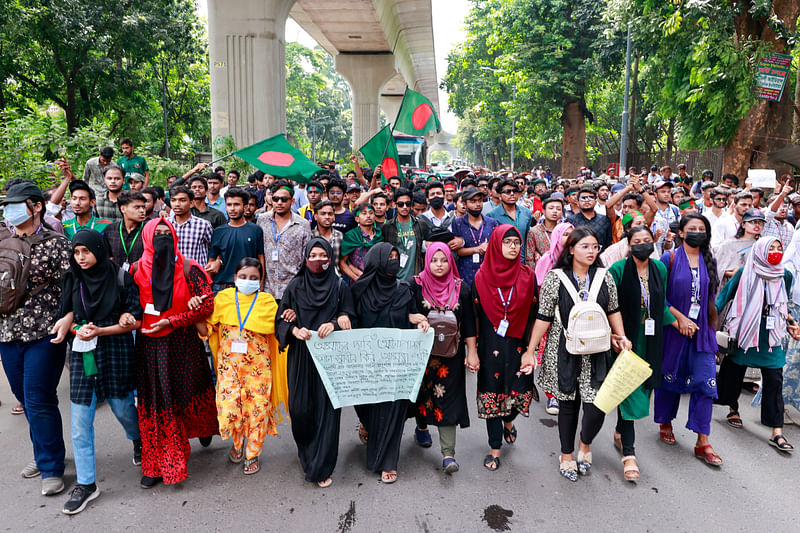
x,y
346,306
283,329
468,324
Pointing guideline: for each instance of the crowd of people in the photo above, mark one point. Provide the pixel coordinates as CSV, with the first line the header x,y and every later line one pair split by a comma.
x,y
189,310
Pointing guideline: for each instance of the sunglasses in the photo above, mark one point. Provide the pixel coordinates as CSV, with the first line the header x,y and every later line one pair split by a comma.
x,y
335,193
403,204
508,191
281,199
586,198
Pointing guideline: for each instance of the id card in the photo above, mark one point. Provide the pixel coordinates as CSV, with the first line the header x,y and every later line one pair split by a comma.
x,y
403,260
694,311
770,322
84,346
239,347
274,256
126,266
476,258
649,327
502,328
150,309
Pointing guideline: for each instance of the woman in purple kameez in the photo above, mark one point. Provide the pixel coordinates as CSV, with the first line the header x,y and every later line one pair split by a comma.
x,y
689,364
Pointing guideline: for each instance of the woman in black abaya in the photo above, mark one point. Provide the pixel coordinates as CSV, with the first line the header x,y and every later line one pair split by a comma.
x,y
317,300
383,301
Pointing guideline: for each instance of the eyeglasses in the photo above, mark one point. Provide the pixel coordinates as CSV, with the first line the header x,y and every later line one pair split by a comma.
x,y
719,199
586,198
482,185
515,243
756,222
507,191
335,193
587,247
403,204
281,199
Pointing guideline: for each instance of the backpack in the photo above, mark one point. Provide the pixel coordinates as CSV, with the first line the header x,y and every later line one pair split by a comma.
x,y
587,330
15,267
446,335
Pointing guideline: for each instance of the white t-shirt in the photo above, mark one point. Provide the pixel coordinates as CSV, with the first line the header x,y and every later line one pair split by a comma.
x,y
724,228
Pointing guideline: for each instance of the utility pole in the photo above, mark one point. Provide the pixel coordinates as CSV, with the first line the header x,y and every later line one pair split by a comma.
x,y
623,145
166,128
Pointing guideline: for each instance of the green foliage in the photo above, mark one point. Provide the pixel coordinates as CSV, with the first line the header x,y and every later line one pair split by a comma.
x,y
439,156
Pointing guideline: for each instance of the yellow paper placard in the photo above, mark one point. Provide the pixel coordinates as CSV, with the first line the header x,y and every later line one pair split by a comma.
x,y
628,372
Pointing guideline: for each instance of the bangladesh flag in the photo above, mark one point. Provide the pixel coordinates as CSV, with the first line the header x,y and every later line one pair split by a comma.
x,y
277,157
416,115
381,150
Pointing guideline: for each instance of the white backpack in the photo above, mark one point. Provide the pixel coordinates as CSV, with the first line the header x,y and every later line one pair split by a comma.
x,y
587,331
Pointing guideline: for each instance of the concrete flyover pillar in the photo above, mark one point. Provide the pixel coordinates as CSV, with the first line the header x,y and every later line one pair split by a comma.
x,y
247,54
390,105
366,74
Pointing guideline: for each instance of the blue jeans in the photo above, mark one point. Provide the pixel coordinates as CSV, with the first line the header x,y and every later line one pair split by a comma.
x,y
33,370
83,432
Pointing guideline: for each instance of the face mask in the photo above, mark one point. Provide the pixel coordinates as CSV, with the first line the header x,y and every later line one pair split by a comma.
x,y
642,251
247,286
318,266
163,251
436,202
475,212
392,267
16,214
695,239
774,258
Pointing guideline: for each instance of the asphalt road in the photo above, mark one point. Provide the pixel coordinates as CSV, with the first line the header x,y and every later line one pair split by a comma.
x,y
755,490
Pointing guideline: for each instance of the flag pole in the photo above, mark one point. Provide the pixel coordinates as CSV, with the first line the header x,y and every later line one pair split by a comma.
x,y
391,132
221,158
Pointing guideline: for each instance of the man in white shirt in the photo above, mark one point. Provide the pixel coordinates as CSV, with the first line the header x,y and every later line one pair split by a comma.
x,y
727,225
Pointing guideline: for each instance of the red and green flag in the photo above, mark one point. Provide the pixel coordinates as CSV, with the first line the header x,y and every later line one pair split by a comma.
x,y
277,157
416,115
381,150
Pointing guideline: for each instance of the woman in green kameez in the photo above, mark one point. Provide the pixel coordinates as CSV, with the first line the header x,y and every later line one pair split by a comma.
x,y
641,285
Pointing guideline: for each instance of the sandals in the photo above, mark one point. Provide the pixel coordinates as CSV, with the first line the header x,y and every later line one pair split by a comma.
x,y
584,462
780,442
568,469
251,466
363,435
491,462
706,453
236,456
389,476
631,472
18,410
666,435
735,420
325,484
510,435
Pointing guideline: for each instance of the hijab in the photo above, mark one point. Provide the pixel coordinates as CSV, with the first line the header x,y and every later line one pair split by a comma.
x,y
549,258
375,289
315,296
91,293
497,272
761,284
439,292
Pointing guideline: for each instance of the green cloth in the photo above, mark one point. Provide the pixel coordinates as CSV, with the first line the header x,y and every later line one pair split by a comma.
x,y
416,115
760,357
354,239
382,150
71,226
136,164
407,244
637,405
277,157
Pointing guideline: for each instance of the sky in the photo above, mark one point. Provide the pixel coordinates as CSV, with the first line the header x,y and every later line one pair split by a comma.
x,y
448,31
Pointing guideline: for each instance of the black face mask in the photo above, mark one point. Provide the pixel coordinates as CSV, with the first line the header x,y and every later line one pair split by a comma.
x,y
695,239
163,250
642,250
436,202
475,212
392,267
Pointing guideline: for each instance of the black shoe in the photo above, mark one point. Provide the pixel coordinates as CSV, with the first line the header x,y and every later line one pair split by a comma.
x,y
149,482
137,452
205,442
80,497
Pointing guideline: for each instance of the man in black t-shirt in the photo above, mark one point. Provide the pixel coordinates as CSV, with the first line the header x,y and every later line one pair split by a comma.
x,y
344,220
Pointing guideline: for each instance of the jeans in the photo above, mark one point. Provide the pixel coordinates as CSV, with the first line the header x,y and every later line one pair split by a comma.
x,y
33,370
83,432
592,422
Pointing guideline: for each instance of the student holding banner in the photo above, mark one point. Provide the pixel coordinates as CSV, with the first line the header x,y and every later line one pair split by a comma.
x,y
383,301
442,400
315,300
506,301
641,284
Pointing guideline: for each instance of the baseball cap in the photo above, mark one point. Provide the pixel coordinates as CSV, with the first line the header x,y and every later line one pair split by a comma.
x,y
555,197
354,187
657,184
753,214
471,192
19,192
134,176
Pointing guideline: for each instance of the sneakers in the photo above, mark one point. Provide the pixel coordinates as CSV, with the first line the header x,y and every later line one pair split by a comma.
x,y
149,482
449,465
80,497
205,442
30,470
52,486
423,437
137,452
552,406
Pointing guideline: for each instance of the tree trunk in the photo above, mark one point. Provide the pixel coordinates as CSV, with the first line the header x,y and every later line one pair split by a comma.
x,y
574,140
71,111
768,125
670,140
796,115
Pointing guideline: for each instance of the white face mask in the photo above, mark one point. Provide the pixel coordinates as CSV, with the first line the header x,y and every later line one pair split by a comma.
x,y
16,214
247,286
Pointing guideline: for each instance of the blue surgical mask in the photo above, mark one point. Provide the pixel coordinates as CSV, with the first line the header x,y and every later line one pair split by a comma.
x,y
16,214
247,286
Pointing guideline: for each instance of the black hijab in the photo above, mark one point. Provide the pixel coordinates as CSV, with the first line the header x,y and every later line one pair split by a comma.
x,y
375,289
630,306
315,296
163,271
92,294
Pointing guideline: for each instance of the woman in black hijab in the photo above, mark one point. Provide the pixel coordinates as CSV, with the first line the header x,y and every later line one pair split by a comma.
x,y
102,304
317,300
383,301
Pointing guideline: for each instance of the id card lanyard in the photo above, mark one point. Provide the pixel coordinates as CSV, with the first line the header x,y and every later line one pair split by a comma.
x,y
275,237
771,320
476,257
125,248
649,323
502,328
694,309
240,345
588,285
